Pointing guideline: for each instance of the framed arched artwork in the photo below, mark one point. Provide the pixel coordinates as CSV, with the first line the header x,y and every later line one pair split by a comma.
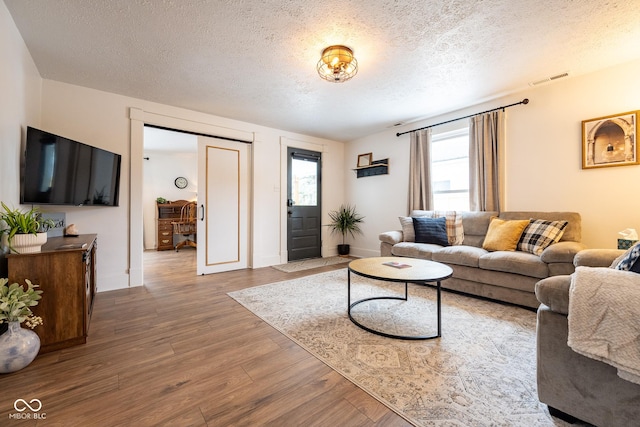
x,y
610,141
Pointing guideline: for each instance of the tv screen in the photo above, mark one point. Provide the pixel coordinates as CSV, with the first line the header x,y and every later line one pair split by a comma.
x,y
60,171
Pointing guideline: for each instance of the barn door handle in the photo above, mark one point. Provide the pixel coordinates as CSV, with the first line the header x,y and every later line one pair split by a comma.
x,y
201,212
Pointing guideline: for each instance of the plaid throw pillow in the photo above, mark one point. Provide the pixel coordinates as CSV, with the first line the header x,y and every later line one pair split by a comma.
x,y
540,234
455,231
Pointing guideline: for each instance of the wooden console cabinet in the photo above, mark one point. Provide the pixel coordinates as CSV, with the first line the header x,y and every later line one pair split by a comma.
x,y
65,270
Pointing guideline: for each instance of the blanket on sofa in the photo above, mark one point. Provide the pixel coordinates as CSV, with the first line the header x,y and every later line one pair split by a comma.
x,y
604,318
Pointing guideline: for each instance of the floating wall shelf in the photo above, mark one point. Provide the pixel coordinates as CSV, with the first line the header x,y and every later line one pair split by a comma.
x,y
377,167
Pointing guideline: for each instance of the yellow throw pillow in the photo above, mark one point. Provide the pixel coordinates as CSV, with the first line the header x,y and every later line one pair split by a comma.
x,y
503,235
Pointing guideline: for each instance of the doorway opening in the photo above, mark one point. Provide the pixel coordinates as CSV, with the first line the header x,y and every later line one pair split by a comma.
x,y
183,174
170,182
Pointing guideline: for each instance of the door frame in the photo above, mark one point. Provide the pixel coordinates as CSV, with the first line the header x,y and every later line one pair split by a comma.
x,y
285,144
138,118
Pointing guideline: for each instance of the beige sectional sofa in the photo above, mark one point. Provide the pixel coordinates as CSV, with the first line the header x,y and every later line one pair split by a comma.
x,y
508,276
573,385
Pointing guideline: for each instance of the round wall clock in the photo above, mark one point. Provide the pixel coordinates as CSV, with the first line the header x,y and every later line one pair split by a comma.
x,y
181,182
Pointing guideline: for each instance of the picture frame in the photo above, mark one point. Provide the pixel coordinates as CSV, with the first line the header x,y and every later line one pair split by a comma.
x,y
365,160
610,141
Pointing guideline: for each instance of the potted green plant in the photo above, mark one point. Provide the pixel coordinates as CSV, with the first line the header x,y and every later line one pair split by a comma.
x,y
23,231
345,220
18,346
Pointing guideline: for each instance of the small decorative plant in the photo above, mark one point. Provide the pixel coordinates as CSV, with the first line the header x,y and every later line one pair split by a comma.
x,y
19,222
345,220
16,303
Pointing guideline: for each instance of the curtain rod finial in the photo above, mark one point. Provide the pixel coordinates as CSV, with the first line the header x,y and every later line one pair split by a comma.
x,y
525,101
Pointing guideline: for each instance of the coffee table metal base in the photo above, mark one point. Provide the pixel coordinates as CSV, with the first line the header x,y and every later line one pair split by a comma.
x,y
405,298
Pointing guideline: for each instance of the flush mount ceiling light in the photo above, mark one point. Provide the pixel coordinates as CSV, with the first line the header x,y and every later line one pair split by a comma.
x,y
337,64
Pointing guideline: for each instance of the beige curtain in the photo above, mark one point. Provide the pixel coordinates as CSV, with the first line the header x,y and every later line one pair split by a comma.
x,y
486,136
420,195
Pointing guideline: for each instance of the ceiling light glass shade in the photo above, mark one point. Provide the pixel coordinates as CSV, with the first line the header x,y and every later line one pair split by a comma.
x,y
337,64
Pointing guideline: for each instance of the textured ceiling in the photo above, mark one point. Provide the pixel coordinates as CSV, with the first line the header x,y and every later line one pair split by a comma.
x,y
254,60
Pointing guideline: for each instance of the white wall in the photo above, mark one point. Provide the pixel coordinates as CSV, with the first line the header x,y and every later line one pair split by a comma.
x,y
160,171
20,93
543,159
101,119
544,154
20,89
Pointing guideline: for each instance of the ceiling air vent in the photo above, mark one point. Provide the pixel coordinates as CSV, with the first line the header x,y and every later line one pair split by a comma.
x,y
549,79
395,125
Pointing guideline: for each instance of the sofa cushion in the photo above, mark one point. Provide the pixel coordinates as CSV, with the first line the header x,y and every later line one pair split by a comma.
x,y
414,250
573,232
597,257
516,262
475,227
431,230
459,255
504,235
539,234
500,279
408,234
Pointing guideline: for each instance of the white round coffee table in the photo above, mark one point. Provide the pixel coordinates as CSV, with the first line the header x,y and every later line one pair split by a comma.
x,y
402,270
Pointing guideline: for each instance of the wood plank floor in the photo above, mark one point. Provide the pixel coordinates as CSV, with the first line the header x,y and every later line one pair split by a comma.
x,y
180,352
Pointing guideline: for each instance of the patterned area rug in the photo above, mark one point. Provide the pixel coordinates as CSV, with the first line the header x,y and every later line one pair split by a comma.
x,y
307,264
481,372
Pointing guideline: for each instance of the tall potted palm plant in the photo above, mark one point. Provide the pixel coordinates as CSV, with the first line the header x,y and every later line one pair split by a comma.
x,y
345,220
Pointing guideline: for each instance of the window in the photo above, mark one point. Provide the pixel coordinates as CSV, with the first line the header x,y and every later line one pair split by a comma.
x,y
450,170
304,182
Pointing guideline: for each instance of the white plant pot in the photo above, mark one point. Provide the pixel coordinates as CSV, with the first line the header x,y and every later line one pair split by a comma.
x,y
25,243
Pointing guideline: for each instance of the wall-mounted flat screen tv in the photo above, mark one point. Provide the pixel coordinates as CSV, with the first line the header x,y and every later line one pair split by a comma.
x,y
60,171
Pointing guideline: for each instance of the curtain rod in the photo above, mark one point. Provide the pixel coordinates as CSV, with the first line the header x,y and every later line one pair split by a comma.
x,y
524,101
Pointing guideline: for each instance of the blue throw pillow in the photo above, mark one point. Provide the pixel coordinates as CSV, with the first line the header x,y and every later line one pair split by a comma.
x,y
431,230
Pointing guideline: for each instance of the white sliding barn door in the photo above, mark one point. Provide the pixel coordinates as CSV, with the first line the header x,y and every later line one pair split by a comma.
x,y
223,205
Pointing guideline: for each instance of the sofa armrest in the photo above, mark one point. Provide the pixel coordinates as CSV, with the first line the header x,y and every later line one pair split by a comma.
x,y
554,293
391,237
597,257
561,252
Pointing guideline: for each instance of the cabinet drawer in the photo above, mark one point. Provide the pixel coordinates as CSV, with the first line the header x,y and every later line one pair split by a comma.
x,y
165,226
165,243
165,234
